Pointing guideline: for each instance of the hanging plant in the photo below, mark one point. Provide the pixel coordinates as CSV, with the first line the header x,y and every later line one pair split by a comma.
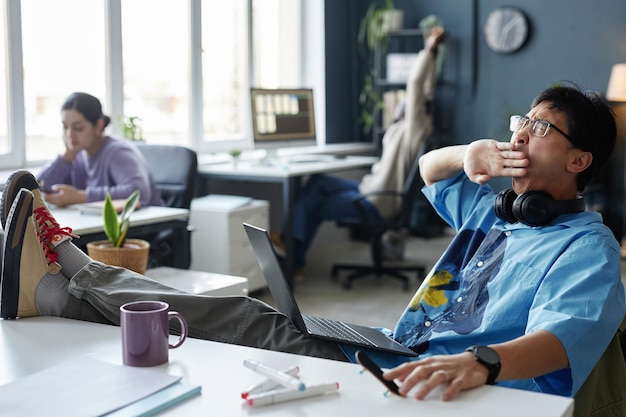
x,y
373,35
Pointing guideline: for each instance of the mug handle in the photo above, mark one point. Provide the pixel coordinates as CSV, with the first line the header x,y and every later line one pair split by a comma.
x,y
183,327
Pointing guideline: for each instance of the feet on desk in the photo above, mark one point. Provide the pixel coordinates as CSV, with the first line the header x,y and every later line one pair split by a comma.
x,y
32,234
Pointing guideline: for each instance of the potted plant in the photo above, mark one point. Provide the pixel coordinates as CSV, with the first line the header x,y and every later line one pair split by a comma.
x,y
381,18
131,129
117,249
235,154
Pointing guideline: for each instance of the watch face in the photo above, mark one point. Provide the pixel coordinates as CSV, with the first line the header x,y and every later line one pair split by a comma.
x,y
487,355
506,29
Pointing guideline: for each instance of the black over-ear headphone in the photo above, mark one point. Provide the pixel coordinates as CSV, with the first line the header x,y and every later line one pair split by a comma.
x,y
534,208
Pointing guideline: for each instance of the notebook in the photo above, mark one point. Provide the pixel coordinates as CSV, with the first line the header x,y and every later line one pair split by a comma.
x,y
322,328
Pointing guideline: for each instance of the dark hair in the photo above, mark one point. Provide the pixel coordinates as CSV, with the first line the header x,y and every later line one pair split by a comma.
x,y
87,105
591,125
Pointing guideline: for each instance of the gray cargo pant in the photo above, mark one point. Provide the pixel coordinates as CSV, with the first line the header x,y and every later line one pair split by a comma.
x,y
97,291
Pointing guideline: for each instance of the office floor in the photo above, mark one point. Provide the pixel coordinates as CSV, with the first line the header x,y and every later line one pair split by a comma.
x,y
370,301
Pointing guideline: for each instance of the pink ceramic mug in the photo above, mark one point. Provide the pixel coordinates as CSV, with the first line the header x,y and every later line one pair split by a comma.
x,y
145,332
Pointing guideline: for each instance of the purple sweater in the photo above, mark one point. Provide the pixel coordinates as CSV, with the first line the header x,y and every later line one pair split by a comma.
x,y
117,167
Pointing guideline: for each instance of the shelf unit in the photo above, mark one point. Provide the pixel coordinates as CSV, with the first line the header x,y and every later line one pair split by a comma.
x,y
411,41
401,41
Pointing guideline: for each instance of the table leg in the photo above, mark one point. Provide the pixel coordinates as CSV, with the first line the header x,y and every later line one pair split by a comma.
x,y
291,188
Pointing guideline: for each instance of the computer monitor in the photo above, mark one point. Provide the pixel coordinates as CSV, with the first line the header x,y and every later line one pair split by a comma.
x,y
282,117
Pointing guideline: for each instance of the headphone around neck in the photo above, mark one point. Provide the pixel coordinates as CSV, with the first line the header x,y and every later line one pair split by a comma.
x,y
533,208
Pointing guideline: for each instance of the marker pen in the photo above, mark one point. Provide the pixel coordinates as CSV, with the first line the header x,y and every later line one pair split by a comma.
x,y
276,376
268,384
286,394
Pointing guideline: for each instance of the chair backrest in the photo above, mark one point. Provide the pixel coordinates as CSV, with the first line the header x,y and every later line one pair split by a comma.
x,y
175,171
603,393
412,184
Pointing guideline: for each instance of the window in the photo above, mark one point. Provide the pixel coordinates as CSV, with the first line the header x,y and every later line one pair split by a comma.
x,y
156,68
63,51
224,69
5,145
275,53
184,68
276,44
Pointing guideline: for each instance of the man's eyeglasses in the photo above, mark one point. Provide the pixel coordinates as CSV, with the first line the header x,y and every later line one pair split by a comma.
x,y
538,128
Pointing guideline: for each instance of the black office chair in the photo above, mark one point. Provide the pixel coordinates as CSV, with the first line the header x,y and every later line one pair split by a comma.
x,y
175,171
376,230
603,394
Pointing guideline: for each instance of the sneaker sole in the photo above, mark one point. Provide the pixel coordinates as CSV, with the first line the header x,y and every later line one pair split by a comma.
x,y
10,288
18,180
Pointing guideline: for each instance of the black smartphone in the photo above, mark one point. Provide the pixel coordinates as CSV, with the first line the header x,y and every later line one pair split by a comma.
x,y
375,370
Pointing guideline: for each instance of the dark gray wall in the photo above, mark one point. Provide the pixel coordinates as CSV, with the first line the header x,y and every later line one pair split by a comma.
x,y
570,40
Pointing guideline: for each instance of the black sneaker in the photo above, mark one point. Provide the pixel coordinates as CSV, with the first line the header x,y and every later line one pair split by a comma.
x,y
31,236
18,180
18,218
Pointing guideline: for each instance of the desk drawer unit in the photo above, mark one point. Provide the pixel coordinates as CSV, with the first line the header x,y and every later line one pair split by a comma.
x,y
218,241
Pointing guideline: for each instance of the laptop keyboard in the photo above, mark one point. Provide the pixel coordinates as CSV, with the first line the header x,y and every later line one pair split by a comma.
x,y
335,329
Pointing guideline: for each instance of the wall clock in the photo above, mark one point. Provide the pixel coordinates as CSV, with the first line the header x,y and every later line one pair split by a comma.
x,y
506,29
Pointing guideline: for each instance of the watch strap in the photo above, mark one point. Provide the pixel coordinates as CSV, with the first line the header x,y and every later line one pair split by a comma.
x,y
490,359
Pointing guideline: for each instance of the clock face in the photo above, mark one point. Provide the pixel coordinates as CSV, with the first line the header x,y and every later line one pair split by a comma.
x,y
506,29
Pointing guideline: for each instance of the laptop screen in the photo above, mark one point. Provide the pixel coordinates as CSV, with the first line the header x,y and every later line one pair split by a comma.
x,y
268,261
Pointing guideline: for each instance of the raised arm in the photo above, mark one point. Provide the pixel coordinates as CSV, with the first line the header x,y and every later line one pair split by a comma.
x,y
481,160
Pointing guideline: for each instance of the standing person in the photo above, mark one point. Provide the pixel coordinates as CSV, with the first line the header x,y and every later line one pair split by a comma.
x,y
94,163
326,197
528,295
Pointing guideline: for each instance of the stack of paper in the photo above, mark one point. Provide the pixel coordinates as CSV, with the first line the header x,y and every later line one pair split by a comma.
x,y
90,387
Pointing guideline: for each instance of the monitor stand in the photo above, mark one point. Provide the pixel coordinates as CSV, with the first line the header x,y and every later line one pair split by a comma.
x,y
272,158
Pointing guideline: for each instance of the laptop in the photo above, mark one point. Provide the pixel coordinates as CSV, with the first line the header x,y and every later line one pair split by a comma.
x,y
317,327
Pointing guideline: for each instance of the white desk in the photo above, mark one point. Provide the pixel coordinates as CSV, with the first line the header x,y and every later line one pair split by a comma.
x,y
258,169
147,221
85,224
290,176
199,282
32,344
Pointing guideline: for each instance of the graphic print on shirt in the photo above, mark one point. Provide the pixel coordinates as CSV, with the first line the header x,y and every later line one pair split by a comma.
x,y
454,297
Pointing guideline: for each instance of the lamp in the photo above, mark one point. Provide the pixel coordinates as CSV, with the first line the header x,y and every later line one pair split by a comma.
x,y
616,91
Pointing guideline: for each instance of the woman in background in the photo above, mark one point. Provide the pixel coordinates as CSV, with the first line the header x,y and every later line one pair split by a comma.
x,y
94,163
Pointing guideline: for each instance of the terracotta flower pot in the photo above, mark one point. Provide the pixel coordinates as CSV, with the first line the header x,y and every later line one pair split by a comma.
x,y
133,256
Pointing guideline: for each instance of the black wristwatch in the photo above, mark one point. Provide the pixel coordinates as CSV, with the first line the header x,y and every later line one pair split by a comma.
x,y
490,359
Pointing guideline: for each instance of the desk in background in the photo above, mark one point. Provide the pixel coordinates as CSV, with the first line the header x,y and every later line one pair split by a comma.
x,y
290,177
33,344
199,282
144,222
89,223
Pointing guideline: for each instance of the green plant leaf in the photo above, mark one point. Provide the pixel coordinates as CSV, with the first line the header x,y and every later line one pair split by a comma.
x,y
124,223
122,237
130,206
116,227
372,35
111,224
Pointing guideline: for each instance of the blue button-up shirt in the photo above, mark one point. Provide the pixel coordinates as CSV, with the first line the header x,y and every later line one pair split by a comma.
x,y
499,281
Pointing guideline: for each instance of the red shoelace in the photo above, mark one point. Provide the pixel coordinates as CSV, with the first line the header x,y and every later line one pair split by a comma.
x,y
48,231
